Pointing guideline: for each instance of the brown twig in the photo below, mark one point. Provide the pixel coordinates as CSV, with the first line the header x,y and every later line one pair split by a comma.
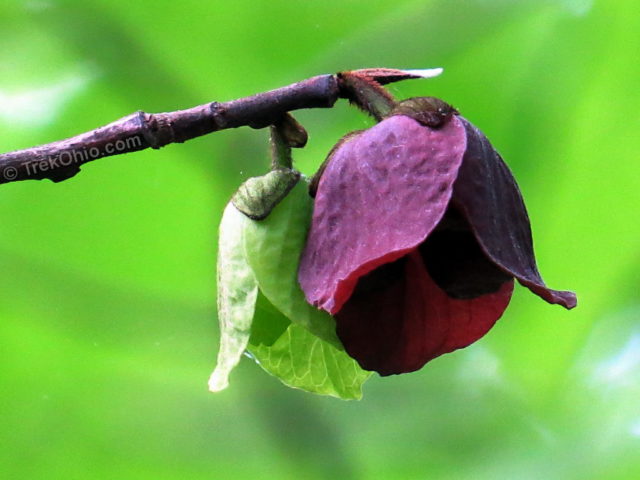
x,y
61,160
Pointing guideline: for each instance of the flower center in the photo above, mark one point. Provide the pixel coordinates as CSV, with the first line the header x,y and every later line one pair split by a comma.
x,y
456,262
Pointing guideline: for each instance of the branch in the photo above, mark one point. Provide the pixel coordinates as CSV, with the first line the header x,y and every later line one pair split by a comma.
x,y
61,160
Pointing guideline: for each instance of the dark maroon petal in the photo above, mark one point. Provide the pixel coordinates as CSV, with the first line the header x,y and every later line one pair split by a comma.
x,y
380,196
455,261
398,319
487,194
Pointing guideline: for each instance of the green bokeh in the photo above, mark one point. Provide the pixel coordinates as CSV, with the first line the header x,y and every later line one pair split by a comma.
x,y
107,310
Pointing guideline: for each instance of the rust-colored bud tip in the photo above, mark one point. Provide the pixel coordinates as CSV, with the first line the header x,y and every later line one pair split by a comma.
x,y
389,75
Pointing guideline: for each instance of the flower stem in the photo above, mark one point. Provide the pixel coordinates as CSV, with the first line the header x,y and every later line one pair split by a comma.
x,y
285,133
365,92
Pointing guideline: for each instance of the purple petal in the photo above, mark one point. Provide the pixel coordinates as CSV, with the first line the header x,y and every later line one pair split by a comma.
x,y
488,196
380,196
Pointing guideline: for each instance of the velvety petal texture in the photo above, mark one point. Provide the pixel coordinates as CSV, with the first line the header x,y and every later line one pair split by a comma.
x,y
380,196
488,196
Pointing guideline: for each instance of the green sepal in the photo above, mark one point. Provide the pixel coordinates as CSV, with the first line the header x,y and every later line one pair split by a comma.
x,y
429,111
262,309
258,196
237,293
273,248
301,360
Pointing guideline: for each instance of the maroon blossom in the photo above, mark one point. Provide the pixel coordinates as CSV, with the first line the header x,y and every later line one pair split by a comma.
x,y
418,232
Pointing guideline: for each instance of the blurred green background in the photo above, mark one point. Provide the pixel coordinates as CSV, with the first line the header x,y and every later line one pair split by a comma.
x,y
108,327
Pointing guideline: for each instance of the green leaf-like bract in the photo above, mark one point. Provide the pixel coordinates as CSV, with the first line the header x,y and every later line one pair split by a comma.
x,y
301,360
237,291
288,338
273,249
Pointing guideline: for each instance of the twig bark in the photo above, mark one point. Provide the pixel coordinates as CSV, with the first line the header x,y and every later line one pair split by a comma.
x,y
61,160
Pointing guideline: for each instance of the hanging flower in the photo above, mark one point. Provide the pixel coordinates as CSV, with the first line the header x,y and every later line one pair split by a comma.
x,y
418,233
